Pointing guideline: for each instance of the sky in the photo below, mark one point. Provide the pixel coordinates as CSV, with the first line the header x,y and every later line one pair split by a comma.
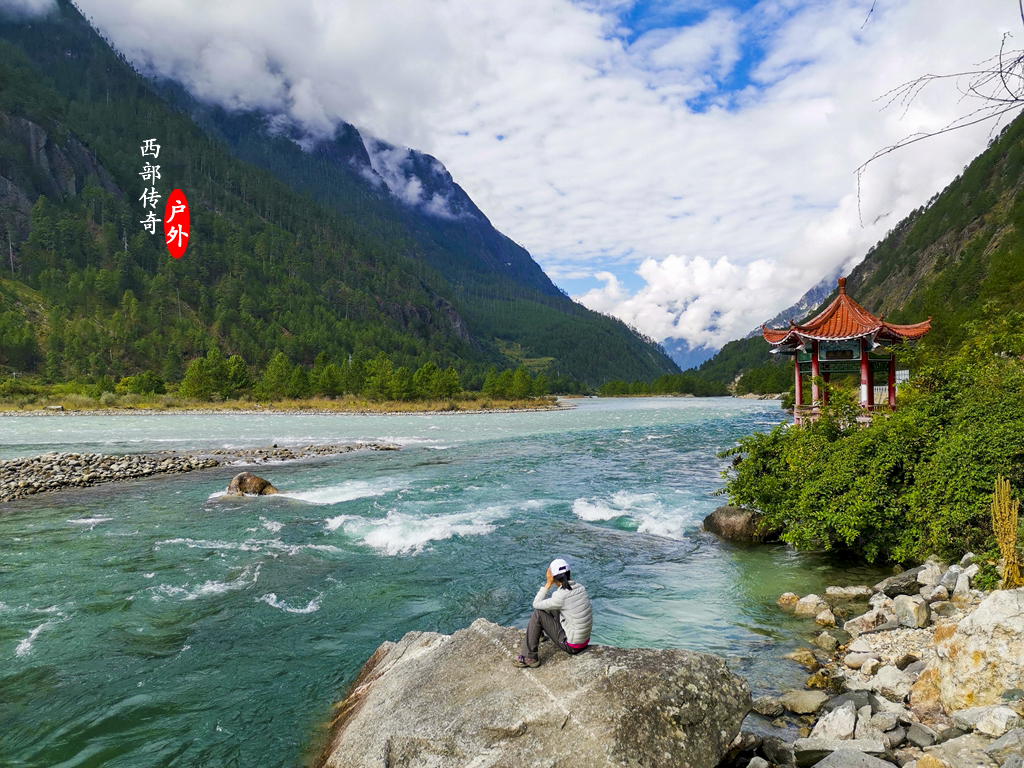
x,y
686,165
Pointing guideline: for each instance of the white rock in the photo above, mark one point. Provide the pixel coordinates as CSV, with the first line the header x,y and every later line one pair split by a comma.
x,y
994,721
931,574
985,655
949,577
825,618
891,683
871,666
856,660
864,729
848,593
885,721
866,621
860,645
838,724
962,590
911,611
809,606
935,594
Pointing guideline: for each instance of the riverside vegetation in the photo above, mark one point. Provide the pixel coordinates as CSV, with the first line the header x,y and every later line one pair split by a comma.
x,y
913,483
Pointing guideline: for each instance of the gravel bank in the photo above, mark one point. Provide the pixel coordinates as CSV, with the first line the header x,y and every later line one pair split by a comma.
x,y
56,471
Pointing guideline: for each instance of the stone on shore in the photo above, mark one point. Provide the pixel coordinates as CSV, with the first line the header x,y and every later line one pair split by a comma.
x,y
809,751
737,524
803,702
839,724
911,611
904,583
1010,743
810,606
840,594
866,622
984,656
455,700
994,721
851,758
248,484
892,683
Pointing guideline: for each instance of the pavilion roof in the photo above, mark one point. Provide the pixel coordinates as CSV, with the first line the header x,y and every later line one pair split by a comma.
x,y
842,320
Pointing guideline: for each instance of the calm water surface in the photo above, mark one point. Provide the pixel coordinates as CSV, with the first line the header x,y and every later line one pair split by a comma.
x,y
157,623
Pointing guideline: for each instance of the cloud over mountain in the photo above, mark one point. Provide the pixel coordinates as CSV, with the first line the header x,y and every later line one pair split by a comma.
x,y
707,147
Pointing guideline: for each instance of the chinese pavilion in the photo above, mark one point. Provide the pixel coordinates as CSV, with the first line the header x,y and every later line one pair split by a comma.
x,y
843,338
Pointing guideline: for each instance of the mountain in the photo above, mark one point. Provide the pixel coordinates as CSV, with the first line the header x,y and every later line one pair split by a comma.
x,y
686,356
803,307
958,259
347,246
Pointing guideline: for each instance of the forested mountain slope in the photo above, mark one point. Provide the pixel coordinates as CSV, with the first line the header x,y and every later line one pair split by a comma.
x,y
87,292
958,259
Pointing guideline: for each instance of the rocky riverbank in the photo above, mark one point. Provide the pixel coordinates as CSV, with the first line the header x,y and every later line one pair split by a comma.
x,y
57,471
929,676
457,701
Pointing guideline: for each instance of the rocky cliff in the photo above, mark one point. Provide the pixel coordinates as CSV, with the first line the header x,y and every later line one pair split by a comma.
x,y
456,700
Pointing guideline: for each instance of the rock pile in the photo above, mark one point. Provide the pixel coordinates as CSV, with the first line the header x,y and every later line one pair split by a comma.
x,y
456,700
263,455
56,471
931,676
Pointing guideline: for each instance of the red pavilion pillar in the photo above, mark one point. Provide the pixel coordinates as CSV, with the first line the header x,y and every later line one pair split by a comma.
x,y
815,373
892,381
799,388
867,380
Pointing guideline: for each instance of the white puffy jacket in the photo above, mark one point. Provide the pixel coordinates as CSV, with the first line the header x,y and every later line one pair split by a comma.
x,y
574,610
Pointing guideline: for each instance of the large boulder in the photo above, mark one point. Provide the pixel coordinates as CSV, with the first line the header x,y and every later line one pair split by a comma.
x,y
455,700
984,656
248,484
736,524
903,583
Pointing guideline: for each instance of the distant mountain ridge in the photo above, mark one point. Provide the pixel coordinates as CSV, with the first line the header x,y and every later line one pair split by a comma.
x,y
348,246
959,259
804,306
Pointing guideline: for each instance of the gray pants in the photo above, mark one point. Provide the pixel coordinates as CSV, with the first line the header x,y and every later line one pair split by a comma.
x,y
548,623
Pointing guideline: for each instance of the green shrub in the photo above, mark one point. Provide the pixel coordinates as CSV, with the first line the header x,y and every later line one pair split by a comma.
x,y
914,482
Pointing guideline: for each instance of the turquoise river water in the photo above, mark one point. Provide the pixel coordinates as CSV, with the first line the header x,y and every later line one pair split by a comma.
x,y
157,623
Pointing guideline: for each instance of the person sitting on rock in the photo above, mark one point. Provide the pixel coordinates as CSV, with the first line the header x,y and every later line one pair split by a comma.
x,y
565,617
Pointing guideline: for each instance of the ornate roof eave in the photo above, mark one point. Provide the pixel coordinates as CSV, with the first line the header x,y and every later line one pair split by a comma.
x,y
843,320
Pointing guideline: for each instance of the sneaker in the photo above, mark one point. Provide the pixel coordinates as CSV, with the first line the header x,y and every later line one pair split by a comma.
x,y
522,661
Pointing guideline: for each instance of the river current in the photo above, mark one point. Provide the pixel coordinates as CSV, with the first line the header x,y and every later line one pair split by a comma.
x,y
159,623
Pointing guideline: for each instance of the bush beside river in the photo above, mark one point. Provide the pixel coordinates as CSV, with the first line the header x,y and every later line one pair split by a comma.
x,y
917,481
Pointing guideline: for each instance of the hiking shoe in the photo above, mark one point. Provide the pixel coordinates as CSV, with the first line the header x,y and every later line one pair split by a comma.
x,y
522,661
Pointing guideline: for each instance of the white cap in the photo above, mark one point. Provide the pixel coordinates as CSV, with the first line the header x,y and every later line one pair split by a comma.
x,y
559,566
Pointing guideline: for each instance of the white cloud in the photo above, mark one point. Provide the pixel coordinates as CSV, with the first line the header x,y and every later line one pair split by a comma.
x,y
22,8
584,144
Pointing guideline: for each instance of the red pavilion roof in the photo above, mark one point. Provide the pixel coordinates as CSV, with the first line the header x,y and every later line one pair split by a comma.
x,y
842,320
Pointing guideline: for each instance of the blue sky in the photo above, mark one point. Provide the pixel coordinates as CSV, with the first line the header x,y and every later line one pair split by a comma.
x,y
686,166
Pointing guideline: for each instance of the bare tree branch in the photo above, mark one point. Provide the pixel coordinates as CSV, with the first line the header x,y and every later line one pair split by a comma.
x,y
996,86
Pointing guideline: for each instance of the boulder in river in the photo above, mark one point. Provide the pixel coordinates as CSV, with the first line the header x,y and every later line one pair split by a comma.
x,y
737,524
248,484
456,700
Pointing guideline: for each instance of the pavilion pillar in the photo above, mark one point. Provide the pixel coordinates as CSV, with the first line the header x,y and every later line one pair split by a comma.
x,y
867,380
815,373
799,388
892,381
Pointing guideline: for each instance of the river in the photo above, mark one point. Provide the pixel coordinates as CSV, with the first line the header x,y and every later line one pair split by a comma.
x,y
158,623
